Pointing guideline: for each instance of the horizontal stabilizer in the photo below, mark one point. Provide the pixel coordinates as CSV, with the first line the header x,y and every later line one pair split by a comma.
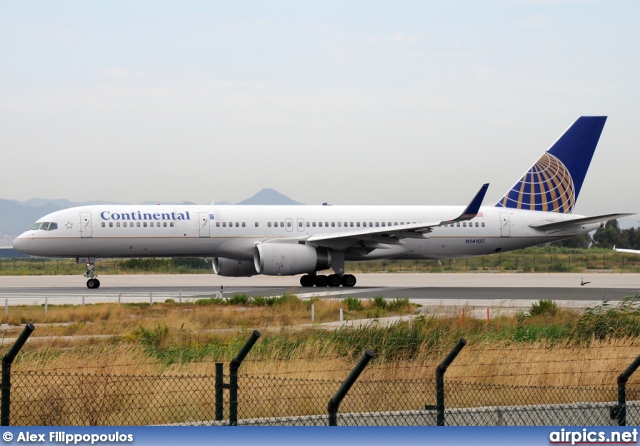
x,y
576,221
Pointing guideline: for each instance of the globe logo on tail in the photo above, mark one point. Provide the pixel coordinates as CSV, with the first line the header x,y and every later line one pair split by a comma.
x,y
547,186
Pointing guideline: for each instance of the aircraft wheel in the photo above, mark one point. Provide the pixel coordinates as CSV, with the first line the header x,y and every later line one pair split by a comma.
x,y
306,281
97,283
335,280
348,280
93,283
322,281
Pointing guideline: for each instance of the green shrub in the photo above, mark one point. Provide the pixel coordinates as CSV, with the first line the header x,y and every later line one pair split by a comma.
x,y
399,304
238,299
604,321
380,302
544,308
210,301
353,304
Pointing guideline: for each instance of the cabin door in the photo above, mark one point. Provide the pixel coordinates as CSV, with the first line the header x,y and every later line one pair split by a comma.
x,y
505,226
86,227
204,224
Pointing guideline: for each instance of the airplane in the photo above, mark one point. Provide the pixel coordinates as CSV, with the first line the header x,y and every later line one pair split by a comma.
x,y
628,251
308,239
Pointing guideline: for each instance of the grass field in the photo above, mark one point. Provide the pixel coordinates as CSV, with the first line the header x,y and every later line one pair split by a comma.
x,y
546,346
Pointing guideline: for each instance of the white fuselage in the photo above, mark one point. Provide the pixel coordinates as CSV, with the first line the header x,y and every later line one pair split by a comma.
x,y
233,231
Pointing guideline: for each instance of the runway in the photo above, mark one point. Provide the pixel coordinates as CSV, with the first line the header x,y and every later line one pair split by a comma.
x,y
446,289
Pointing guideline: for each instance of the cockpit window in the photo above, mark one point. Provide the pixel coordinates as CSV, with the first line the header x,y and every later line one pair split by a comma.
x,y
45,226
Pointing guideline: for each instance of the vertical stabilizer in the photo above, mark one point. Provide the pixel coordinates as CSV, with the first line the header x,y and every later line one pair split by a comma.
x,y
553,183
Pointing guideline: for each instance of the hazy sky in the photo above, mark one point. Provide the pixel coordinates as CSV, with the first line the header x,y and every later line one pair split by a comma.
x,y
347,102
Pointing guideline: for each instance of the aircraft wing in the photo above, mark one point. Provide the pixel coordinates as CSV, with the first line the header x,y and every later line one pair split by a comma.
x,y
564,224
628,251
393,235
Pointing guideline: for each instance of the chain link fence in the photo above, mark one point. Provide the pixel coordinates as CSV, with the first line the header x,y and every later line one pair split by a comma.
x,y
52,399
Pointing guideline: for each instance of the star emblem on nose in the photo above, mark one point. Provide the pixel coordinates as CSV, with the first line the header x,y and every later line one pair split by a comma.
x,y
69,225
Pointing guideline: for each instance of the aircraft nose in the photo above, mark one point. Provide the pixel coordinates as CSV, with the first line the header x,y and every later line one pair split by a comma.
x,y
21,243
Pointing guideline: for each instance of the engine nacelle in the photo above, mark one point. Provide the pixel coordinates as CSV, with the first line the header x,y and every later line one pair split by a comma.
x,y
288,259
233,268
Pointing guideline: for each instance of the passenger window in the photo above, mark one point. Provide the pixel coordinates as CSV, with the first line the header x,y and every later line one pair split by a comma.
x,y
308,224
237,224
377,224
243,224
320,224
464,224
164,224
111,224
102,224
138,224
482,224
314,224
333,224
144,224
269,224
300,225
217,224
117,224
171,224
288,224
339,224
256,224
358,224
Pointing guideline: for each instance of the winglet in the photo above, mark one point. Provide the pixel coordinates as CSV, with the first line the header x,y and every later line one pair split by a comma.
x,y
472,210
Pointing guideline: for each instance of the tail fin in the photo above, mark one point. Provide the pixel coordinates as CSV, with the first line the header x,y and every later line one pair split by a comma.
x,y
553,183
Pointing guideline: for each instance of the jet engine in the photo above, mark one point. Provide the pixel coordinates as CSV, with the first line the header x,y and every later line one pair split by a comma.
x,y
288,259
233,268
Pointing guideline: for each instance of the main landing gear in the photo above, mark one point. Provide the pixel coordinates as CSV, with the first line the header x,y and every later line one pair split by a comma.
x,y
332,280
92,283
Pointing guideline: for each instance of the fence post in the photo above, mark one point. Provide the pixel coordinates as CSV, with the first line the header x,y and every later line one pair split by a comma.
x,y
233,377
220,386
334,403
440,371
6,373
620,411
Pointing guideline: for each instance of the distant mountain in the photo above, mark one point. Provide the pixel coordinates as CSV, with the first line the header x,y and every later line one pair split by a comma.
x,y
18,216
269,196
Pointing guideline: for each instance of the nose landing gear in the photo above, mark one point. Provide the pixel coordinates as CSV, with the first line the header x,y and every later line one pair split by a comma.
x,y
92,283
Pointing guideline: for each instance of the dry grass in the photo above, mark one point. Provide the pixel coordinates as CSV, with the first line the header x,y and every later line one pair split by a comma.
x,y
188,339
